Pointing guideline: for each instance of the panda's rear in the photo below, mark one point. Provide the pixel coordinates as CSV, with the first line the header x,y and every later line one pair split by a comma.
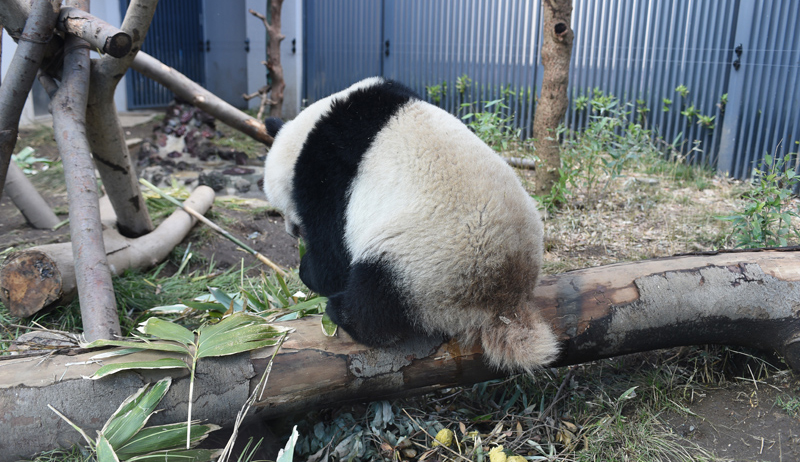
x,y
412,224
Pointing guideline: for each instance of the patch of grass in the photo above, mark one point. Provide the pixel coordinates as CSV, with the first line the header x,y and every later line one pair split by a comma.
x,y
37,136
237,140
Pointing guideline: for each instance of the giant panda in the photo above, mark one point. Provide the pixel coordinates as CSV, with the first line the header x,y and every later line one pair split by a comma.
x,y
412,224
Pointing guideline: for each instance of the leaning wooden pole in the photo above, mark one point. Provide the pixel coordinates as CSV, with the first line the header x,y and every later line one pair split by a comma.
x,y
188,90
21,72
106,136
92,273
746,299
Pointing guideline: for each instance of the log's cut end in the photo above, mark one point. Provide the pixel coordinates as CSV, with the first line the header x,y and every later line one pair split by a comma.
x,y
29,281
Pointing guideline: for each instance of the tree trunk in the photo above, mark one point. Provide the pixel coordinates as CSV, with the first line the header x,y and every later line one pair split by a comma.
x,y
93,276
744,299
186,89
28,200
21,72
36,278
106,137
274,57
553,102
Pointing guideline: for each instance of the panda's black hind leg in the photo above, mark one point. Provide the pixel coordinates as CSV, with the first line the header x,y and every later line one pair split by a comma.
x,y
371,308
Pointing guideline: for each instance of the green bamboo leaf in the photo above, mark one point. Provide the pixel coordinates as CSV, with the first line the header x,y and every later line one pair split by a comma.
x,y
308,304
235,334
163,437
183,455
166,330
258,304
163,363
105,453
168,309
287,453
73,425
284,287
144,345
134,412
328,327
221,297
207,306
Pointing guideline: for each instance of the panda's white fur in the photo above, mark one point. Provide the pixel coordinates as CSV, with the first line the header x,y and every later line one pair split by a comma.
x,y
442,217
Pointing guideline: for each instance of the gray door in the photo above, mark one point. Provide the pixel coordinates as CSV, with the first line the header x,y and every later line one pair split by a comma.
x,y
226,58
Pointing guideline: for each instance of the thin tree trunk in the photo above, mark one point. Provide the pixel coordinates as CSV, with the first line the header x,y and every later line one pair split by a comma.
x,y
745,299
93,276
21,72
186,89
28,200
106,137
273,63
552,104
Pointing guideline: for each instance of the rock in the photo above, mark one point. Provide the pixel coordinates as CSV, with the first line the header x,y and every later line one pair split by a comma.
x,y
241,185
156,174
214,180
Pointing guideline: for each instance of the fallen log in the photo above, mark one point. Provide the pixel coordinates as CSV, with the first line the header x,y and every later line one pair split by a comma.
x,y
747,299
38,277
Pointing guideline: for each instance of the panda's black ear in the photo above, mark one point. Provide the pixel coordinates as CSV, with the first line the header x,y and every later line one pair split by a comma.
x,y
273,125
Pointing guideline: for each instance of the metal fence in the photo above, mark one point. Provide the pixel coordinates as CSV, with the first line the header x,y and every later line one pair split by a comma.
x,y
722,76
175,37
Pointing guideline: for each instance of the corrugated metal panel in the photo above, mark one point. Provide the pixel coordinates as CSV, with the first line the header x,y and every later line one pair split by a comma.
x,y
635,50
175,38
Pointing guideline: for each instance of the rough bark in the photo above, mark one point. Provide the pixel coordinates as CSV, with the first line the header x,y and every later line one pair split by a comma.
x,y
93,276
21,72
36,278
100,34
747,299
186,89
106,137
273,63
13,15
552,104
28,200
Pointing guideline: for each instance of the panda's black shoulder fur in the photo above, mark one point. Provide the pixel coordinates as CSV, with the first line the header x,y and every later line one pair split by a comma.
x,y
325,169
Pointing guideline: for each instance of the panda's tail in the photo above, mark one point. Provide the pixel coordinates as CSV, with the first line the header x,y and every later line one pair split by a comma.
x,y
524,341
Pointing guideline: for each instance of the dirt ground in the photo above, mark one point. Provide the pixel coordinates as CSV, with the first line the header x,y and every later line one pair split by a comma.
x,y
747,420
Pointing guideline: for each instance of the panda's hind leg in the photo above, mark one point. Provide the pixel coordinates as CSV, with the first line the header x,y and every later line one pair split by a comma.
x,y
371,308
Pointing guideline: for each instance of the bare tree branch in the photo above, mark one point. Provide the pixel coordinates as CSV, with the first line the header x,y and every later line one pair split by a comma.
x,y
273,63
106,137
93,276
100,34
21,72
190,91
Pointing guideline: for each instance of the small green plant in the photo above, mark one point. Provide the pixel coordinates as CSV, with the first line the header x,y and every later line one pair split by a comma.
x,y
462,83
437,92
723,101
25,160
706,121
682,90
667,103
642,110
690,112
124,436
602,103
581,103
237,333
491,125
766,220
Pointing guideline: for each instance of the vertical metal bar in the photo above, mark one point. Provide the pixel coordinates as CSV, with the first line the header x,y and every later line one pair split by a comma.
x,y
733,110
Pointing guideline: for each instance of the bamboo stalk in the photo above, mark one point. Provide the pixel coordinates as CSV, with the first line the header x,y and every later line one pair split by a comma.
x,y
215,227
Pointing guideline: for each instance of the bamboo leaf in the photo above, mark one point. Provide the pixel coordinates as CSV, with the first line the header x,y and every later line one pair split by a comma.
x,y
183,455
144,345
166,330
73,425
163,363
105,453
163,437
207,306
328,327
235,334
286,454
134,412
